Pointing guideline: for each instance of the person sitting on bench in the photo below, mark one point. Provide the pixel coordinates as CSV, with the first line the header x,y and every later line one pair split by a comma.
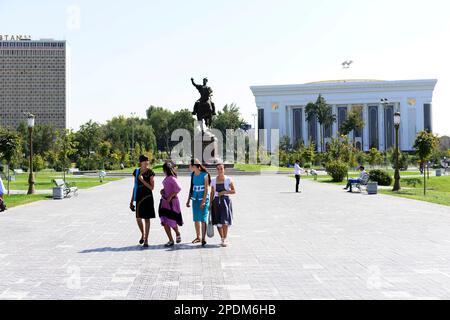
x,y
363,176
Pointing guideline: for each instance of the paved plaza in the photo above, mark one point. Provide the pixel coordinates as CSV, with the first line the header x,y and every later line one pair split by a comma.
x,y
321,244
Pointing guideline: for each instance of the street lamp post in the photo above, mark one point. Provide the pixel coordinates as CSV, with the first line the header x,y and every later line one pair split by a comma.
x,y
31,189
397,152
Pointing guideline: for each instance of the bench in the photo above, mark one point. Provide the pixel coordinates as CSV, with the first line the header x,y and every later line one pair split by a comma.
x,y
67,191
361,185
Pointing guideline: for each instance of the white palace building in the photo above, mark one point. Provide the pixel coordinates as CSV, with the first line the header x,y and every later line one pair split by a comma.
x,y
282,107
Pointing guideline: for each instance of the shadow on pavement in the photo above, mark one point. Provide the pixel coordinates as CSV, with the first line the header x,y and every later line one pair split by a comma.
x,y
152,247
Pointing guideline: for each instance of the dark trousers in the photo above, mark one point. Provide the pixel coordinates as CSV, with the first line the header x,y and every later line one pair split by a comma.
x,y
297,179
352,181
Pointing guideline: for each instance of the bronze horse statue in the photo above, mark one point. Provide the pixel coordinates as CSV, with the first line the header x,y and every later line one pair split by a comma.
x,y
204,108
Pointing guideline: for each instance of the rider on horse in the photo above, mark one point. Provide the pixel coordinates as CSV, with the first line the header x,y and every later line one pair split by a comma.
x,y
205,98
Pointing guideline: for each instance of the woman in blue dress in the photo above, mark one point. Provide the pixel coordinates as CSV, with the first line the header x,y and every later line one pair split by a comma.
x,y
201,181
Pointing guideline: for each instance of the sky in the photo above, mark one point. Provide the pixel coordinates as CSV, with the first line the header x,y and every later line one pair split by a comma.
x,y
124,56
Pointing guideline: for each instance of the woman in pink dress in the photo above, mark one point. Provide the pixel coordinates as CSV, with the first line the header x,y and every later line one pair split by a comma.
x,y
169,208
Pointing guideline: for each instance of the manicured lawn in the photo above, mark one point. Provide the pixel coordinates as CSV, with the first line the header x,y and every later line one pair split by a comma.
x,y
258,167
438,188
438,191
17,200
43,181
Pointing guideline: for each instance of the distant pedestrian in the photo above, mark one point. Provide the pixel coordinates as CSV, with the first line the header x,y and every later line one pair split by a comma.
x,y
201,180
297,171
142,198
2,191
169,209
221,208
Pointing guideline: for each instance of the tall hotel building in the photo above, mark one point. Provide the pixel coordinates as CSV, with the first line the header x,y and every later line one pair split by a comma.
x,y
33,79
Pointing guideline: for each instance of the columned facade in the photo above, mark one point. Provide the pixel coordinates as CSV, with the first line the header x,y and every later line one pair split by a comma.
x,y
283,108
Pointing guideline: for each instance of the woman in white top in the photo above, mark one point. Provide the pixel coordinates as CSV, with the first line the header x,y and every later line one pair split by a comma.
x,y
221,209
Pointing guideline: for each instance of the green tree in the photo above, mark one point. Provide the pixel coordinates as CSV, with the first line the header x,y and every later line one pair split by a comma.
x,y
309,153
353,122
38,163
44,137
426,142
374,157
228,118
321,112
66,146
10,149
159,119
104,151
285,144
88,138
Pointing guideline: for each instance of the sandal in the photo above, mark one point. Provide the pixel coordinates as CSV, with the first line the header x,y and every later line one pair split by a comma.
x,y
169,244
178,239
196,240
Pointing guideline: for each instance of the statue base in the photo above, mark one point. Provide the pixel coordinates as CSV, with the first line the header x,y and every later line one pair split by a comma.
x,y
206,146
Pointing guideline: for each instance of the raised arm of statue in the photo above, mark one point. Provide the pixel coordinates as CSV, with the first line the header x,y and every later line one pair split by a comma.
x,y
193,83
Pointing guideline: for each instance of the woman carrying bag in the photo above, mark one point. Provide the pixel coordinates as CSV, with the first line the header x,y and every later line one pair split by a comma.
x,y
221,210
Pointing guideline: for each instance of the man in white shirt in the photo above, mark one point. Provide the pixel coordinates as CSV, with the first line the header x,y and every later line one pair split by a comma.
x,y
297,171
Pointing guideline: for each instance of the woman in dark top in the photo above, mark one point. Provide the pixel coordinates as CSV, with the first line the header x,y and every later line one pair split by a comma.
x,y
142,198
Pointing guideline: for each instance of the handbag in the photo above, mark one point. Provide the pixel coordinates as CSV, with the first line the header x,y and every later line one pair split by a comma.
x,y
210,227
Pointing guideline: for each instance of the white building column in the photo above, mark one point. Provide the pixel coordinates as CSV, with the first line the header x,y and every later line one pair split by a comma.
x,y
381,135
420,126
366,127
402,107
289,123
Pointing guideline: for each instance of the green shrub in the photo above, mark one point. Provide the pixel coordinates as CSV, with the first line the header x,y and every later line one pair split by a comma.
x,y
337,169
412,182
403,160
382,177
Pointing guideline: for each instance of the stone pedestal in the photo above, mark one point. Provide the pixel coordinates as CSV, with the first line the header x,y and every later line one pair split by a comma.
x,y
206,146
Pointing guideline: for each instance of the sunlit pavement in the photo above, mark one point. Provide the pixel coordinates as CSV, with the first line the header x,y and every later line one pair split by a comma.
x,y
323,243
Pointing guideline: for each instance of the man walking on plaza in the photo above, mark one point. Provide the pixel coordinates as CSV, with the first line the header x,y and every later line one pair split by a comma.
x,y
298,171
